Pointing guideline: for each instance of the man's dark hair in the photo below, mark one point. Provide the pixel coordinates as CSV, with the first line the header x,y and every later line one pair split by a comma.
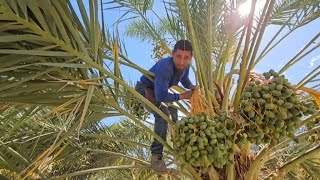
x,y
183,45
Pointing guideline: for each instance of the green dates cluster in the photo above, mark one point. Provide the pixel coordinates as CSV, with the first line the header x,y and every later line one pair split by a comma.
x,y
272,109
202,140
136,108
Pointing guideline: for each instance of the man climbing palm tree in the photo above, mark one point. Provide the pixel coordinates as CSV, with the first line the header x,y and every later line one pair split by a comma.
x,y
168,72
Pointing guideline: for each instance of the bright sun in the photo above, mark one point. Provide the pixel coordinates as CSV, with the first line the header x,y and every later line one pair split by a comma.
x,y
244,8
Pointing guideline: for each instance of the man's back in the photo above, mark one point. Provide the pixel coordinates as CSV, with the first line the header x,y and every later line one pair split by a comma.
x,y
166,76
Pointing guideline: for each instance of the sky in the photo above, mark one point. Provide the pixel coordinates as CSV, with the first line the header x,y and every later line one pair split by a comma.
x,y
140,52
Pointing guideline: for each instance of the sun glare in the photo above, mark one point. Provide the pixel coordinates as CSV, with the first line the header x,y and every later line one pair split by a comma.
x,y
244,8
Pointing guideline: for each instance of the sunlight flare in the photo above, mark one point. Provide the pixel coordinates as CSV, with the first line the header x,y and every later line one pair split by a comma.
x,y
244,8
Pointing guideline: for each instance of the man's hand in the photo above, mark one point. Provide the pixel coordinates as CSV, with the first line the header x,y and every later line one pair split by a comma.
x,y
193,87
186,95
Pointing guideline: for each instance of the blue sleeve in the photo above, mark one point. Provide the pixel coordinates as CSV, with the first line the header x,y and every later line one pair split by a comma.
x,y
185,81
161,85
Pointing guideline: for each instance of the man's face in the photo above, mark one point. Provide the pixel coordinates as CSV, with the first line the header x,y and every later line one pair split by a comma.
x,y
181,58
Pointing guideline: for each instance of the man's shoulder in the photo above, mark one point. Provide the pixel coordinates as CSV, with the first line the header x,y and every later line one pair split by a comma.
x,y
165,61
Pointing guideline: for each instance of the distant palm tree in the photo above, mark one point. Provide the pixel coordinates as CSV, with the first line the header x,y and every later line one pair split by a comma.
x,y
60,75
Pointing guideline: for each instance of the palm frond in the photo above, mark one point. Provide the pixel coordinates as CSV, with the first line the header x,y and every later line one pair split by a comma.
x,y
305,12
139,29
